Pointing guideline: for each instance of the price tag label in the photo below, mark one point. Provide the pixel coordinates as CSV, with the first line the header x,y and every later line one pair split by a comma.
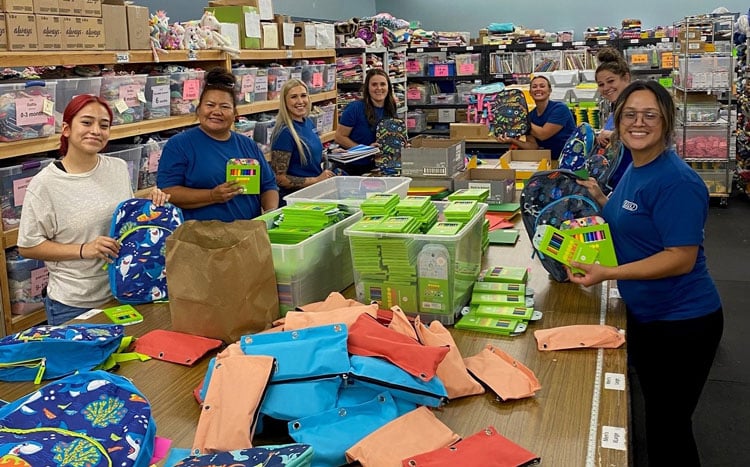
x,y
48,108
601,42
317,80
160,95
30,111
441,70
667,60
639,59
531,46
501,47
191,89
666,39
635,41
443,49
123,57
469,47
121,106
289,54
575,43
261,84
466,68
420,49
557,44
192,55
413,66
614,438
142,96
614,381
39,280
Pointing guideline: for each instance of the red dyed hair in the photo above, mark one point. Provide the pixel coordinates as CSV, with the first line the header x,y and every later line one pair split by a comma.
x,y
74,106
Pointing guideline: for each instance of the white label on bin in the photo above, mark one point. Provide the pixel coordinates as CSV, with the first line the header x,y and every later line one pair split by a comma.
x,y
248,84
261,84
469,47
614,438
121,106
19,190
48,107
39,280
122,57
142,96
153,160
30,111
129,94
297,75
160,95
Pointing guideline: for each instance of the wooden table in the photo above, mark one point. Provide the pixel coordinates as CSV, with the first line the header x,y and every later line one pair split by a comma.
x,y
563,423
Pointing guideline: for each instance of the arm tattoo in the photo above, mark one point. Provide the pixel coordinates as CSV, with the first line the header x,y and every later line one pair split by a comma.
x,y
280,165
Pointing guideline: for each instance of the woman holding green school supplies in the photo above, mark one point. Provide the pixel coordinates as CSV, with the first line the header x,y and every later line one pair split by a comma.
x,y
193,164
296,150
675,321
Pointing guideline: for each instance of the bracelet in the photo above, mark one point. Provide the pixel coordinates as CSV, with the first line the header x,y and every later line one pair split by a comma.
x,y
80,251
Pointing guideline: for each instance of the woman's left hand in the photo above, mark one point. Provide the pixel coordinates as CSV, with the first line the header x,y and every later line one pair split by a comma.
x,y
592,274
158,197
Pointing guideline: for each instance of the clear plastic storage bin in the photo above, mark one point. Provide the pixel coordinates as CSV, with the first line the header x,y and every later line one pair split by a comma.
x,y
27,278
310,270
350,191
122,94
15,175
416,66
416,121
277,76
67,89
314,77
446,268
261,85
468,64
27,110
244,89
184,91
130,153
149,164
157,103
702,142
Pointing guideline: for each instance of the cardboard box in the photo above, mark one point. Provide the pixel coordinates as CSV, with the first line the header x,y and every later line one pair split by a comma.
x,y
248,20
17,6
116,37
500,182
443,182
93,33
325,36
72,33
430,157
49,31
263,7
91,8
471,131
3,33
138,28
446,115
286,30
304,35
70,7
21,32
691,34
270,36
46,7
526,161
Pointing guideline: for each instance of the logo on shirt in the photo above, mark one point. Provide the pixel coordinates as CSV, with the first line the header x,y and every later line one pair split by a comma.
x,y
629,206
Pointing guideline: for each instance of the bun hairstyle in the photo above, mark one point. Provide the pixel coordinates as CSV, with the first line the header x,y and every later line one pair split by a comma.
x,y
610,59
219,79
71,110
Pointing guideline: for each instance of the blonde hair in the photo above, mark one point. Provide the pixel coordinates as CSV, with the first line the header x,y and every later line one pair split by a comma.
x,y
284,119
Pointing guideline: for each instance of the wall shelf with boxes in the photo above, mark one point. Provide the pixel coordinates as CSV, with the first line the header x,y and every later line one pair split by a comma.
x,y
17,172
703,78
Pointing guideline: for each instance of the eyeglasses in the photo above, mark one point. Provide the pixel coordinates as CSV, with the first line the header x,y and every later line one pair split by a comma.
x,y
649,117
220,85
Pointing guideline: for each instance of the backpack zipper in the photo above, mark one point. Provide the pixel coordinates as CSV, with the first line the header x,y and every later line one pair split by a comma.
x,y
386,384
41,363
73,434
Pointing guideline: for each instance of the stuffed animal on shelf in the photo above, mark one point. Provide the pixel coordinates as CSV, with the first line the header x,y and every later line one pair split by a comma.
x,y
211,29
193,39
159,26
175,37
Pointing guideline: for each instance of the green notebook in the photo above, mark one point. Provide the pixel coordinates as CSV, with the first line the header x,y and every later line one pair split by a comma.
x,y
512,274
500,288
501,326
503,236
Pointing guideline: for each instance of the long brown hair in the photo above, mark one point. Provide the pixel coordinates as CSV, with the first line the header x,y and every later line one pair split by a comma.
x,y
389,108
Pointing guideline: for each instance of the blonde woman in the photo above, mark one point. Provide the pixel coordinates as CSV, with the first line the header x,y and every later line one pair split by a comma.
x,y
296,150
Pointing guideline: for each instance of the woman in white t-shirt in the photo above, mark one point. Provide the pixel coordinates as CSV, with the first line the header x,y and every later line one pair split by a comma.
x,y
68,208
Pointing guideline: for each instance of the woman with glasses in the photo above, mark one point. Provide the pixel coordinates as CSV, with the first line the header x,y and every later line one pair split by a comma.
x,y
296,150
360,118
551,123
674,314
192,168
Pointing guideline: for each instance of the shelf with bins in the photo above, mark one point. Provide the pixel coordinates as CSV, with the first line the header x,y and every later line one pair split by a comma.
x,y
702,88
130,60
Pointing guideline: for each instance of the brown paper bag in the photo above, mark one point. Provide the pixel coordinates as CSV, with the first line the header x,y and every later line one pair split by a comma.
x,y
221,279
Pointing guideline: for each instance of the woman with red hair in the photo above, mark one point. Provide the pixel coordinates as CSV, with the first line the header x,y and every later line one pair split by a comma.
x,y
68,208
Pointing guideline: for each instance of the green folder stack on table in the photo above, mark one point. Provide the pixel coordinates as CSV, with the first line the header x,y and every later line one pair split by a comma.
x,y
380,204
421,208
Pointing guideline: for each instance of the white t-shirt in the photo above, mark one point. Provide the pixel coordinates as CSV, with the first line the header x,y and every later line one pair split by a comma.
x,y
74,208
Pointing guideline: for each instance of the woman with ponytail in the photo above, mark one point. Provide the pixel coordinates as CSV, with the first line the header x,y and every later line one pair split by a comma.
x,y
296,150
68,208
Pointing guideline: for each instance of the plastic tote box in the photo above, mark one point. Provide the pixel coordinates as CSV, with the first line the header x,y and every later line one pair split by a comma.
x,y
130,153
123,94
149,164
427,275
67,89
15,176
27,110
310,270
157,103
27,278
350,191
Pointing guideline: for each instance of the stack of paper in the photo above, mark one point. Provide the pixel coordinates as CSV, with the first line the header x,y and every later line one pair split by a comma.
x,y
380,204
355,153
477,194
445,228
461,210
421,208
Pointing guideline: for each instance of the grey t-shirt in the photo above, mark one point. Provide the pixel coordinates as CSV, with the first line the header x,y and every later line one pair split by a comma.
x,y
74,208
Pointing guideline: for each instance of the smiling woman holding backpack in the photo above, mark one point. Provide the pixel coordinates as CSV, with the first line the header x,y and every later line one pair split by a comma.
x,y
68,209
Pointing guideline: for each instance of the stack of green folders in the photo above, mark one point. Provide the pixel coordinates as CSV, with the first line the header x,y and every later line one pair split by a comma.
x,y
445,228
461,210
300,221
480,195
420,208
380,204
500,303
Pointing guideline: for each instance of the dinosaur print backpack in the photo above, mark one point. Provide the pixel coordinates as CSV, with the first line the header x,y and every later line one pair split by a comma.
x,y
90,419
509,114
391,135
137,274
551,197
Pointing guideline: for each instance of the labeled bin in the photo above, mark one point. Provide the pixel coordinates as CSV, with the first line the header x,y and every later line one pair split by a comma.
x,y
149,164
67,89
244,88
157,103
125,95
184,91
15,176
27,279
130,153
28,110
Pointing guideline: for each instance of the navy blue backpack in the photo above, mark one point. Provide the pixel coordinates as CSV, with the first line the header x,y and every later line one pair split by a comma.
x,y
91,419
549,198
137,274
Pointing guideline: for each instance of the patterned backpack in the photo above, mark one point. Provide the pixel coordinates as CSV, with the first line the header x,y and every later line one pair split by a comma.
x,y
549,198
509,114
578,148
480,102
47,351
91,419
391,135
137,274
